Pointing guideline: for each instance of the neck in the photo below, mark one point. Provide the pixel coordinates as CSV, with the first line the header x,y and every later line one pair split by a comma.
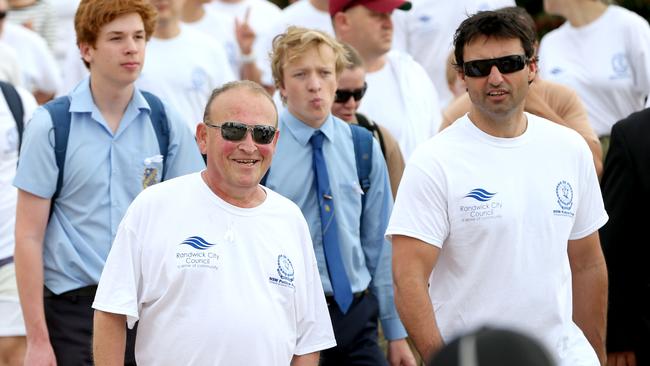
x,y
322,5
111,99
374,63
192,12
503,125
585,12
246,198
166,29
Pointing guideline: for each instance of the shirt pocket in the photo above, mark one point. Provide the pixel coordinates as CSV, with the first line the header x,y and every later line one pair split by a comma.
x,y
149,170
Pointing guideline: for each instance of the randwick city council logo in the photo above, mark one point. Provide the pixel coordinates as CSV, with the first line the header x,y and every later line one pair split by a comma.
x,y
196,252
564,193
285,272
480,205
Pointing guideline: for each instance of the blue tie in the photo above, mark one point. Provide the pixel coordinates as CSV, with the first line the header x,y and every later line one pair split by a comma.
x,y
335,267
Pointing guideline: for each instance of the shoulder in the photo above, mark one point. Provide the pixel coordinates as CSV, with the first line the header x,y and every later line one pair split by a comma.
x,y
562,135
626,17
164,193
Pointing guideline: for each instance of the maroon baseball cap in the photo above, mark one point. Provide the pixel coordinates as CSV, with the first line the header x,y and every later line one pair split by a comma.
x,y
380,6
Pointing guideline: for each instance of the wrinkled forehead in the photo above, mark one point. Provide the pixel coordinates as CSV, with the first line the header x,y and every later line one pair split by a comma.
x,y
243,105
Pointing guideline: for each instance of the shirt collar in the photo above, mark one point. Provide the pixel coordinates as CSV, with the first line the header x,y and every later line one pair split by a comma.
x,y
303,132
81,99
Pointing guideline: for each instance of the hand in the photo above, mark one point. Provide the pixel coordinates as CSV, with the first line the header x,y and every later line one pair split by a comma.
x,y
39,354
245,34
621,359
399,353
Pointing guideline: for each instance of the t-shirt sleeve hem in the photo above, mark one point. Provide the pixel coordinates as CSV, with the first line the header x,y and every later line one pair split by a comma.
x,y
115,310
314,348
410,233
597,225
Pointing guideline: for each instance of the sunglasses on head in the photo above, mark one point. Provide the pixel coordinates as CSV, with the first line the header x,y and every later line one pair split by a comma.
x,y
236,131
343,95
505,64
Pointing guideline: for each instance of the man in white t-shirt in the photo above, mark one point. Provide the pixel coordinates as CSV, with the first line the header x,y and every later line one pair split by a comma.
x,y
235,277
400,93
183,65
490,226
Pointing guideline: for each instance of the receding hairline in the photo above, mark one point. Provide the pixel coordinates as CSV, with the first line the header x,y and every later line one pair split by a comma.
x,y
244,86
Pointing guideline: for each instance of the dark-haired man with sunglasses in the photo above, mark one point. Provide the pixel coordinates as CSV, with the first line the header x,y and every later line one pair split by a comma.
x,y
216,269
315,166
506,206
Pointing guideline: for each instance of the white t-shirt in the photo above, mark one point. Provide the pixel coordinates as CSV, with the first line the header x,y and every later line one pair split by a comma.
x,y
184,70
8,161
221,27
9,67
426,32
502,211
215,284
402,98
39,68
607,62
301,14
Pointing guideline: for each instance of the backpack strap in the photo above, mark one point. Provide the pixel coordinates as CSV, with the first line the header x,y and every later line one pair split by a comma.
x,y
16,107
59,110
371,126
160,125
362,140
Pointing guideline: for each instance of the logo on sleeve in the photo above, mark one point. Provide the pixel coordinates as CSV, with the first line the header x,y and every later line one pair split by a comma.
x,y
285,272
564,193
482,206
196,252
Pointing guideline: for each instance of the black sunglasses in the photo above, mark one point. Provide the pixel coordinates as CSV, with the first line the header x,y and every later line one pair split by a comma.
x,y
505,64
3,14
342,95
236,131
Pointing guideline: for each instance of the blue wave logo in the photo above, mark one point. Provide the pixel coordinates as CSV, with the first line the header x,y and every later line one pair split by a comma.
x,y
197,242
480,194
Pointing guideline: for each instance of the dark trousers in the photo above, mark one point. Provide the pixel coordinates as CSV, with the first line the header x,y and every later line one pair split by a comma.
x,y
356,335
69,318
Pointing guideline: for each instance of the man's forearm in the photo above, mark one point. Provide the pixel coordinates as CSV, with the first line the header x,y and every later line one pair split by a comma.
x,y
109,339
415,311
590,305
310,359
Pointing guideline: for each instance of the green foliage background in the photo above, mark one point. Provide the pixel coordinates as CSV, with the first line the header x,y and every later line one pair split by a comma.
x,y
546,23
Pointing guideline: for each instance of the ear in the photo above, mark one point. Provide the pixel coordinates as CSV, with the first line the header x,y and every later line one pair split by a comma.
x,y
341,23
85,51
532,67
202,137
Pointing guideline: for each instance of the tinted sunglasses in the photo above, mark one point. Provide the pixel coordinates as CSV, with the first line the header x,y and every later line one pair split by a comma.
x,y
506,65
236,131
3,14
342,95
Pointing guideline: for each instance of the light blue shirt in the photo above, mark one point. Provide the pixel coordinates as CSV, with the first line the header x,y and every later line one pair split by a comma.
x,y
366,255
103,173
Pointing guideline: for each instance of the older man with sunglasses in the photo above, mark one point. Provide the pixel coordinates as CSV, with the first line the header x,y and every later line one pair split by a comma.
x,y
497,217
216,269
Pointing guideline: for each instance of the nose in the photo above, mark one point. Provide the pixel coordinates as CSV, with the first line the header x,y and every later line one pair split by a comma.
x,y
495,77
350,103
247,144
314,83
131,46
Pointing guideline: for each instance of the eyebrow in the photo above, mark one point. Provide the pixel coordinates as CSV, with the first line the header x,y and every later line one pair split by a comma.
x,y
121,32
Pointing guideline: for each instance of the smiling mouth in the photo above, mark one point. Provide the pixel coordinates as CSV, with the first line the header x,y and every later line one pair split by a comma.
x,y
497,93
248,162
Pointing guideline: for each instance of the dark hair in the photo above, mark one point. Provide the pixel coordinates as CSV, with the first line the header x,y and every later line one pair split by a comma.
x,y
501,24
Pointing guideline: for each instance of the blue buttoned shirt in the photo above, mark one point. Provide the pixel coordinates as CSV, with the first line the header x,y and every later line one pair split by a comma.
x,y
366,254
103,173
